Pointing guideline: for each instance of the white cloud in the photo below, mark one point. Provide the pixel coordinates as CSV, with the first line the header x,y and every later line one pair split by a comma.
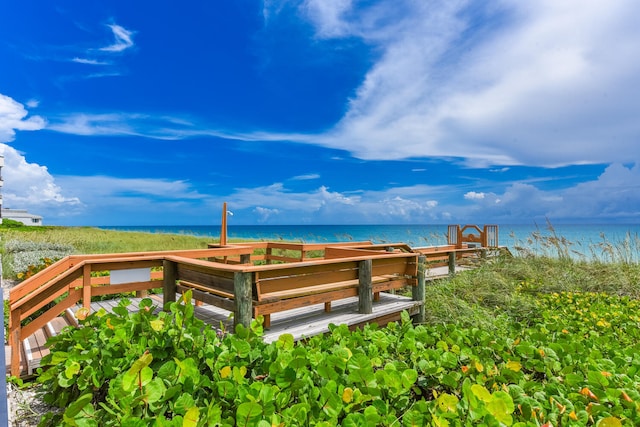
x,y
327,15
278,204
306,177
111,200
31,186
89,61
614,196
472,195
33,103
264,213
123,39
13,116
26,185
526,83
153,127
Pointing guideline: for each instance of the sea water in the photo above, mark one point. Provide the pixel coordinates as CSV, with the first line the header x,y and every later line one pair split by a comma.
x,y
577,238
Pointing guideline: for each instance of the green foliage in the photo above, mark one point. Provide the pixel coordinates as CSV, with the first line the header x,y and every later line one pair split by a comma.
x,y
525,341
25,258
11,223
89,240
576,363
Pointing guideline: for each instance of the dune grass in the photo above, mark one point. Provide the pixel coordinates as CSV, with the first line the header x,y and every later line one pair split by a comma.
x,y
85,240
500,290
504,290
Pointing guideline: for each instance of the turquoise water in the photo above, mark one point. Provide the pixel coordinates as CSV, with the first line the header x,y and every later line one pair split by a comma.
x,y
580,239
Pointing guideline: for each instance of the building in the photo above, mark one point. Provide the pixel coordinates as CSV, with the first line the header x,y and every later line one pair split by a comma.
x,y
22,216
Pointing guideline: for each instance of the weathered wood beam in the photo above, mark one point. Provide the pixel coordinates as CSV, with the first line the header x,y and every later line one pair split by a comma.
x,y
365,291
418,291
242,283
170,276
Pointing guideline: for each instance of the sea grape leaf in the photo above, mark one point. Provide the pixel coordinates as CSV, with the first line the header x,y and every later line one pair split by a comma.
x,y
242,347
347,395
225,372
183,403
409,377
285,341
154,390
157,325
447,402
191,417
248,413
609,422
72,369
514,365
501,406
413,418
74,408
285,378
360,369
481,392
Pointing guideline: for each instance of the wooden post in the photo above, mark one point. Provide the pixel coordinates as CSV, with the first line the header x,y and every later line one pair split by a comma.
x,y
16,343
242,296
418,291
365,294
245,259
169,277
86,286
452,263
223,226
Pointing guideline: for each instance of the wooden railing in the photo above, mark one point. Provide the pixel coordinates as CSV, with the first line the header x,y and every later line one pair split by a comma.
x,y
248,279
49,293
469,235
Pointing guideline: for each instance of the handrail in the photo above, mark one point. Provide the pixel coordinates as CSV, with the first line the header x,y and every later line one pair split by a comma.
x,y
69,280
61,278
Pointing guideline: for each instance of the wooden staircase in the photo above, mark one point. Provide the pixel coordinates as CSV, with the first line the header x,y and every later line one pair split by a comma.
x,y
34,348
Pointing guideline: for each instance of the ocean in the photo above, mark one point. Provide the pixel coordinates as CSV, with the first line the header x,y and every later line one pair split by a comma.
x,y
579,239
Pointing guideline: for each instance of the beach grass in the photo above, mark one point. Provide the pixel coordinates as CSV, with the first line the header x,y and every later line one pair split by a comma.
x,y
87,240
541,264
504,290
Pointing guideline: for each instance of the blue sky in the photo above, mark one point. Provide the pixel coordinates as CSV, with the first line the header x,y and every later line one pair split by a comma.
x,y
321,111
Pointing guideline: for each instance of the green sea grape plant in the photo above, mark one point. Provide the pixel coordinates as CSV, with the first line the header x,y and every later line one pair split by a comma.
x,y
577,363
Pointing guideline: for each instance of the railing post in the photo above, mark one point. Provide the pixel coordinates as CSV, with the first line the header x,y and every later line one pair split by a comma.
x,y
418,292
169,277
245,259
242,283
14,336
86,286
365,291
452,263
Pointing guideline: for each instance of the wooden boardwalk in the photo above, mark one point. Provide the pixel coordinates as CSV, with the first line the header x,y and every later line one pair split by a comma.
x,y
301,322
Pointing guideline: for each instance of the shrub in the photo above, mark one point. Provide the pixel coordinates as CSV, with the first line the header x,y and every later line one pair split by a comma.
x,y
27,258
11,223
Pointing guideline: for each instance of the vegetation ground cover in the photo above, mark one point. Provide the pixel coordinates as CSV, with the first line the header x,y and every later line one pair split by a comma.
x,y
523,341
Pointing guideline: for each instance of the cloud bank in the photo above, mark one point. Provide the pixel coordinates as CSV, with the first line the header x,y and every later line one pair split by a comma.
x,y
26,184
499,83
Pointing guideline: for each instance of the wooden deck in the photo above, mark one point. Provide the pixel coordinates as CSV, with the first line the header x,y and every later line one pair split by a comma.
x,y
301,322
299,288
